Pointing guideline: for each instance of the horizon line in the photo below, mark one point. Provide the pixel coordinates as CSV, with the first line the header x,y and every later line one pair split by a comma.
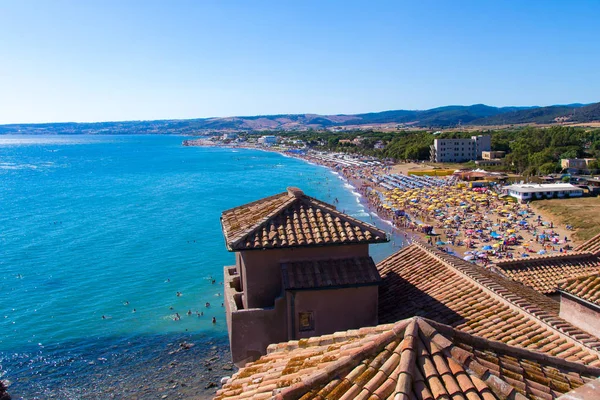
x,y
271,115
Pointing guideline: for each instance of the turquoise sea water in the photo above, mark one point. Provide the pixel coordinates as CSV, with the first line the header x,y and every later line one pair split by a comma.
x,y
94,226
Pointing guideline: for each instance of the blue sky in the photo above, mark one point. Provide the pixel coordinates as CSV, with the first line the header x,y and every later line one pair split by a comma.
x,y
121,60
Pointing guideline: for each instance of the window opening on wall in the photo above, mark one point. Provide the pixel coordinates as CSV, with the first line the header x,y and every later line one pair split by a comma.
x,y
306,321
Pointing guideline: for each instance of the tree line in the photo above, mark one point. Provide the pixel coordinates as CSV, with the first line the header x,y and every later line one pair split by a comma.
x,y
529,150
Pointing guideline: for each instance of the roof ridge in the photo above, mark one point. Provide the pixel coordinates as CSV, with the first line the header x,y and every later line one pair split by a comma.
x,y
272,197
295,220
345,363
468,338
518,301
562,282
594,241
560,256
265,219
344,217
395,361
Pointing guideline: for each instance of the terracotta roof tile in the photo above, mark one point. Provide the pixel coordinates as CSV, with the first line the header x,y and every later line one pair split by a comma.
x,y
592,245
412,359
584,287
357,271
292,219
545,272
423,281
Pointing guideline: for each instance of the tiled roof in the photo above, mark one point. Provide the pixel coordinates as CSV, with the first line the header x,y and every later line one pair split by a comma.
x,y
592,245
543,273
292,219
411,359
423,281
584,287
329,273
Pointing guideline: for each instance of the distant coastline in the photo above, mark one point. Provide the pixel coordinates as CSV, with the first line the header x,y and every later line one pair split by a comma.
x,y
472,117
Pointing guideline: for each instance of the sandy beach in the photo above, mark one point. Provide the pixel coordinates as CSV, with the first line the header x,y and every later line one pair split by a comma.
x,y
478,224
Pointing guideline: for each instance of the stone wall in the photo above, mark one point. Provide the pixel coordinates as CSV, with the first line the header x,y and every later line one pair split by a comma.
x,y
261,271
580,314
333,310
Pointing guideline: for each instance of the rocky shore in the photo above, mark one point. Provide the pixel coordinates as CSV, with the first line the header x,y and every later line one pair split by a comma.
x,y
182,367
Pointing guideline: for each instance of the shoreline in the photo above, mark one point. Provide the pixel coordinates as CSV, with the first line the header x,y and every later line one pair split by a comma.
x,y
407,236
420,224
172,365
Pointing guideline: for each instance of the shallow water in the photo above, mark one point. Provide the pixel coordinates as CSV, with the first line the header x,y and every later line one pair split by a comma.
x,y
115,226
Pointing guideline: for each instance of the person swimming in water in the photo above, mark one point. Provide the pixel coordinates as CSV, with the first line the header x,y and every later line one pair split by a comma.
x,y
189,312
214,320
178,294
207,304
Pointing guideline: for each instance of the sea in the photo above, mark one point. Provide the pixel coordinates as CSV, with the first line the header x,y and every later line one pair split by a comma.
x,y
105,239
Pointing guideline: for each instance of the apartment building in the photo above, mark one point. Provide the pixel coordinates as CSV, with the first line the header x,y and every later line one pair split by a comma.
x,y
460,150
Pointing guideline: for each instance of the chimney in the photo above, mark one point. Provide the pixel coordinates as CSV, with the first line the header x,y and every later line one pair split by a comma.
x,y
295,192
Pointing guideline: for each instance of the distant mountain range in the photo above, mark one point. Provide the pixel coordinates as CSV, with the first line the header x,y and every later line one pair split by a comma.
x,y
441,117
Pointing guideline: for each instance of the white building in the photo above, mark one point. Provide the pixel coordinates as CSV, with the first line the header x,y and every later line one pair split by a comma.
x,y
543,191
379,145
229,136
460,150
267,139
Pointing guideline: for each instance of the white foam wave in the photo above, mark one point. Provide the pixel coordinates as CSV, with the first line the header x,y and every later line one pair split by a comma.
x,y
18,140
13,166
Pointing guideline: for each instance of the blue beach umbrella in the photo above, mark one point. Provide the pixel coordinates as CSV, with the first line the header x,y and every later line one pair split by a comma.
x,y
487,247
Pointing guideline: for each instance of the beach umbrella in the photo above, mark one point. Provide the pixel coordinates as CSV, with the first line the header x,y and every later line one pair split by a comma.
x,y
468,258
440,243
487,247
542,252
495,245
482,255
525,244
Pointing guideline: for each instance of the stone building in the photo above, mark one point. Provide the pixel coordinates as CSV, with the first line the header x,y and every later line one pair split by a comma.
x,y
451,330
302,269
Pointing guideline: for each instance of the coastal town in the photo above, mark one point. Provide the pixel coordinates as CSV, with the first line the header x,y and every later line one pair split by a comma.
x,y
303,200
483,269
481,216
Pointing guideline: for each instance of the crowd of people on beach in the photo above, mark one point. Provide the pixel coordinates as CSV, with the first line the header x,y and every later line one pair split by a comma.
x,y
476,223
